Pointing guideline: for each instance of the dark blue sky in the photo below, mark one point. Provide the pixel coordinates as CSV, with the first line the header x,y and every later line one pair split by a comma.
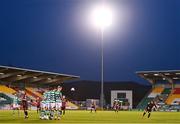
x,y
56,35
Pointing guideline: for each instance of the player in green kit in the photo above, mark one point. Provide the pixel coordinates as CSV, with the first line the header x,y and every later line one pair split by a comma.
x,y
45,105
48,99
52,104
58,101
16,105
52,98
43,109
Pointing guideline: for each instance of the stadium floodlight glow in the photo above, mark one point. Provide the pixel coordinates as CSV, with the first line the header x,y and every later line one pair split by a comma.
x,y
102,16
175,78
156,74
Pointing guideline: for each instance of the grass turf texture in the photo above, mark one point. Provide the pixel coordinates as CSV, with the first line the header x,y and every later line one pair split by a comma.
x,y
99,117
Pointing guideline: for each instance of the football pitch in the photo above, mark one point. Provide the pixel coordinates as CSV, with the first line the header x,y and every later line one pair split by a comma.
x,y
99,117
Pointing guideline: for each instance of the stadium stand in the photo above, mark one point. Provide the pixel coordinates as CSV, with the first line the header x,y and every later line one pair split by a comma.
x,y
152,95
166,90
172,98
15,80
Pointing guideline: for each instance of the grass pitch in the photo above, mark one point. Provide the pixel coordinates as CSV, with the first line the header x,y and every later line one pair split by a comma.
x,y
99,117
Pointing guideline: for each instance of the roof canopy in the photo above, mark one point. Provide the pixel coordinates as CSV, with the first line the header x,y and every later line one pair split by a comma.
x,y
155,76
19,75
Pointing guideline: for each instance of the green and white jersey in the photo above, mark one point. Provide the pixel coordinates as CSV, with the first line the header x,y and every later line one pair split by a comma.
x,y
42,113
52,101
47,101
47,112
47,95
43,102
15,100
52,96
58,96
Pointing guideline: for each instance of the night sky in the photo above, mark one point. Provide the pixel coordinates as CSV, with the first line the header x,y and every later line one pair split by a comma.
x,y
57,36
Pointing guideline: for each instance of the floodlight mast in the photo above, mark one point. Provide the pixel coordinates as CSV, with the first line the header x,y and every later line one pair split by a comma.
x,y
102,70
102,16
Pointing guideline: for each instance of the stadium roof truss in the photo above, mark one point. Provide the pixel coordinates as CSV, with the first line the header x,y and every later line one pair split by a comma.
x,y
19,75
170,76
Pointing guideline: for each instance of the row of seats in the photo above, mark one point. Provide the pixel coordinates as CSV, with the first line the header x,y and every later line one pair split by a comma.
x,y
33,91
155,92
176,91
166,91
6,89
161,91
6,99
158,90
174,97
10,91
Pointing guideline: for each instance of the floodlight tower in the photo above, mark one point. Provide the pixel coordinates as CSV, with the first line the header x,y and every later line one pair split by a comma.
x,y
102,18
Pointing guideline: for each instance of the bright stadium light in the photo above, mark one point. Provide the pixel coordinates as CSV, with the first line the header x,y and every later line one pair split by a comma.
x,y
102,16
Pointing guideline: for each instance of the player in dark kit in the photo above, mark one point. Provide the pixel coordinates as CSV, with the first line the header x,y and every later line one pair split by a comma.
x,y
25,105
63,108
93,106
149,108
38,102
116,106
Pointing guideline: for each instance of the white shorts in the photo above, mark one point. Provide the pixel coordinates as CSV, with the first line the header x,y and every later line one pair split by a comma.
x,y
58,105
16,106
43,105
53,105
48,105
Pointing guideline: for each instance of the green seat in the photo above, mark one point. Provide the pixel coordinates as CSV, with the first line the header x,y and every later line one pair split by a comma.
x,y
166,91
8,100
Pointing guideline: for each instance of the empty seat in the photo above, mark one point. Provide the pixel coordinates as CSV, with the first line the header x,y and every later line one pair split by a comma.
x,y
176,91
158,90
6,89
166,91
171,98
